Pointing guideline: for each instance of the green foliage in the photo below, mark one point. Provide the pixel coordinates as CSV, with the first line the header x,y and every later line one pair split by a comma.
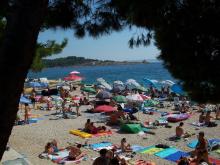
x,y
73,60
45,50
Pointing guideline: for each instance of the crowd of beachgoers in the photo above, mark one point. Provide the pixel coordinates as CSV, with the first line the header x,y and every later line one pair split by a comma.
x,y
125,123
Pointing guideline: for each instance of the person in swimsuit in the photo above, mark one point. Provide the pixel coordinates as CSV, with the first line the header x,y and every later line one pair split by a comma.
x,y
202,117
125,147
75,152
201,151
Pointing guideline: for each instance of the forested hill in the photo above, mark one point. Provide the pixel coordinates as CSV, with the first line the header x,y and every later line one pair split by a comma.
x,y
79,61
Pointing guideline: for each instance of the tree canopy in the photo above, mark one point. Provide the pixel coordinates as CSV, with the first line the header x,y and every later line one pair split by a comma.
x,y
187,34
44,50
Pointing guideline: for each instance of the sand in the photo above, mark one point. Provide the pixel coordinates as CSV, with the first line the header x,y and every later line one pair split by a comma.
x,y
30,140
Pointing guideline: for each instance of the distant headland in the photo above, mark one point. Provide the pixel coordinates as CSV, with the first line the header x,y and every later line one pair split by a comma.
x,y
81,61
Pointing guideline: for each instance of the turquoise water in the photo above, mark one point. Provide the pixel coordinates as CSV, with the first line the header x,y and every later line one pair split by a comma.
x,y
109,73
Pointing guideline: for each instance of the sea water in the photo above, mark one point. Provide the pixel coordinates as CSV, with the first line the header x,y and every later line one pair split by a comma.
x,y
110,73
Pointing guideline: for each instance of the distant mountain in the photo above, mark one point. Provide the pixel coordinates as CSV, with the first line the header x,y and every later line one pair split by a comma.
x,y
81,61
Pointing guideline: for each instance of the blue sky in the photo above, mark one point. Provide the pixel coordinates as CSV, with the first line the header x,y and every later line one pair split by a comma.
x,y
109,47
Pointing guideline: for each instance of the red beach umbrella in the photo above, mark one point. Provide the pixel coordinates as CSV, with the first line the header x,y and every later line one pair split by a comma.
x,y
73,78
105,108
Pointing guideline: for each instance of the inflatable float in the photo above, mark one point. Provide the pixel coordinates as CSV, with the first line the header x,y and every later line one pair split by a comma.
x,y
177,117
80,133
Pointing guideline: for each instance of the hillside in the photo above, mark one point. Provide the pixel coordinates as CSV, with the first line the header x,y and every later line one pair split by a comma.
x,y
81,61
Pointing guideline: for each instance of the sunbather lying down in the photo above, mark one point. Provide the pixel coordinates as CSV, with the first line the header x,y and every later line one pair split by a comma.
x,y
91,128
75,152
51,147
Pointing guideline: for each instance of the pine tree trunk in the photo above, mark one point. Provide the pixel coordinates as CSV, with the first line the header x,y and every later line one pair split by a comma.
x,y
24,20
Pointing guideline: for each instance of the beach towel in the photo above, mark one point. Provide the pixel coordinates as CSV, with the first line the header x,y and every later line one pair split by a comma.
x,y
60,156
32,120
141,162
166,152
145,149
174,138
192,144
176,156
211,160
137,148
197,124
102,145
153,151
107,133
65,161
212,143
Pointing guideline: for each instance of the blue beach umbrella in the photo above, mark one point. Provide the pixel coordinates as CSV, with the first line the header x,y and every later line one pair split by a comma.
x,y
177,89
150,82
24,100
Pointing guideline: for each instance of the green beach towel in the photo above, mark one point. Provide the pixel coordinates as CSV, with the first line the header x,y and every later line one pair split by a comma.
x,y
153,150
145,149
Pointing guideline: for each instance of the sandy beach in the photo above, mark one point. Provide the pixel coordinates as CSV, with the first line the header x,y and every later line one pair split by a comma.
x,y
30,139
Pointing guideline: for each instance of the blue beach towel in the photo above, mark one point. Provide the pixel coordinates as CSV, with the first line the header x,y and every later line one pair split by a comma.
x,y
192,144
166,152
212,142
100,145
137,148
176,156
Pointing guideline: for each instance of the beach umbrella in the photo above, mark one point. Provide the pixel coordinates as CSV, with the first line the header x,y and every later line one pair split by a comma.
x,y
38,84
73,78
118,89
105,108
150,82
74,72
144,97
120,99
102,82
177,89
167,82
134,98
141,88
118,86
131,84
116,83
89,90
104,95
24,100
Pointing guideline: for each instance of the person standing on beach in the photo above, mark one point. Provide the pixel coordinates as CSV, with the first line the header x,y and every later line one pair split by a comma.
x,y
201,150
26,113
